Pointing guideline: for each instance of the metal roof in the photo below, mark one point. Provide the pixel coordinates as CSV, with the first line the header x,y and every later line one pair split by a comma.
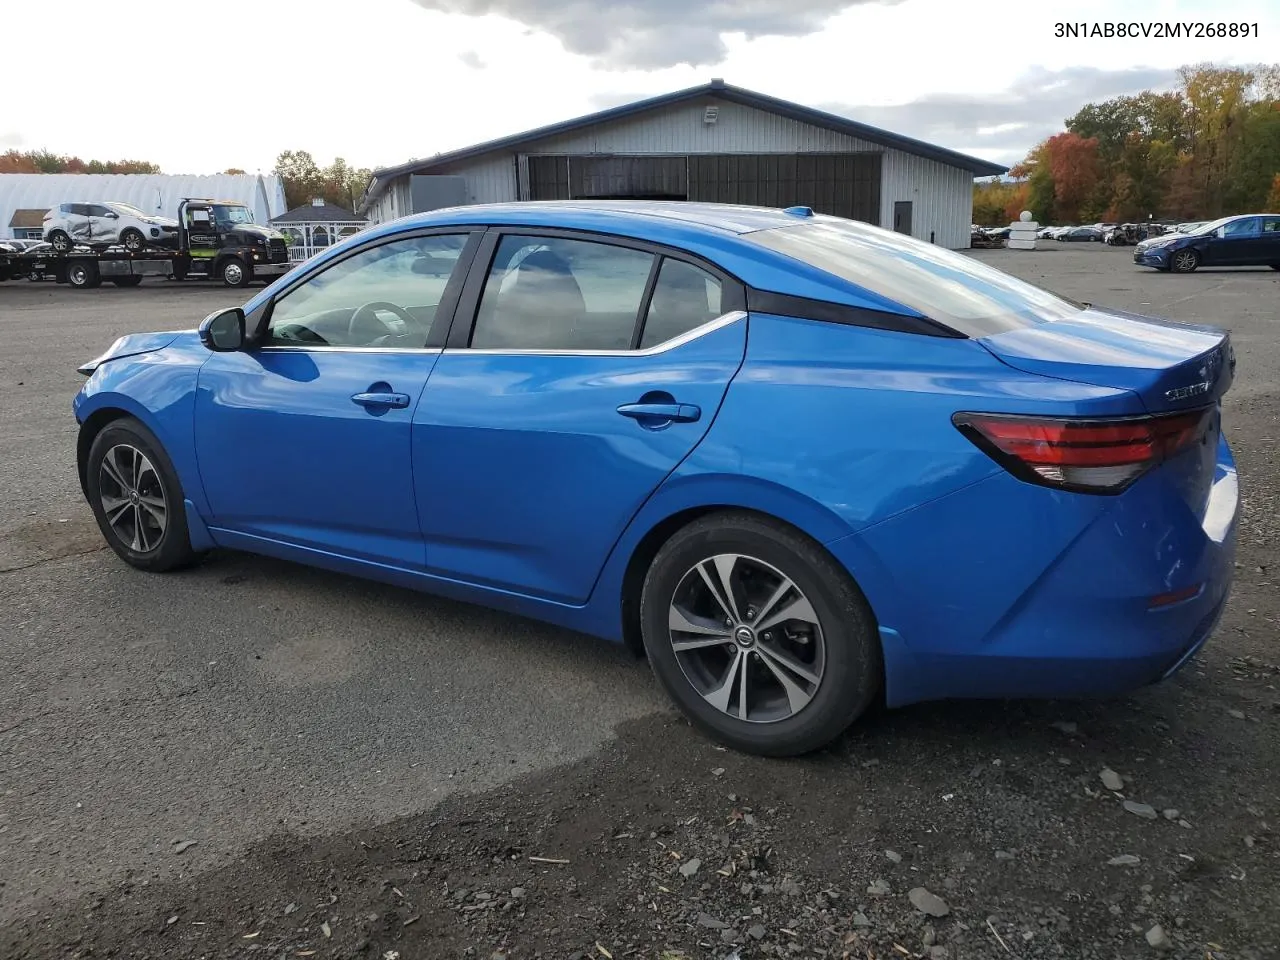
x,y
324,213
718,89
28,218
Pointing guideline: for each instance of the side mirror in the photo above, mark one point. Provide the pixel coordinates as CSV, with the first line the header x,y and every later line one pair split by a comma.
x,y
223,331
113,216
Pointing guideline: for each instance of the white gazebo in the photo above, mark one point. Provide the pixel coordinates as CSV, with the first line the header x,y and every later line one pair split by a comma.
x,y
316,225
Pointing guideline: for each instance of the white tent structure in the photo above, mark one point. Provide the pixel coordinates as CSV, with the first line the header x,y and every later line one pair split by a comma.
x,y
155,193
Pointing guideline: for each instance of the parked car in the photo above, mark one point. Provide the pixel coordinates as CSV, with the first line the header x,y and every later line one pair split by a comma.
x,y
105,225
555,409
1190,226
1046,233
16,245
1249,240
1073,234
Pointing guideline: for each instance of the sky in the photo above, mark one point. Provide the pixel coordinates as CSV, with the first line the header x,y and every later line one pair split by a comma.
x,y
379,82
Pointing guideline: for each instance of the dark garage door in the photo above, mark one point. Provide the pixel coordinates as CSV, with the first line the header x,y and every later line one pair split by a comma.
x,y
581,178
844,184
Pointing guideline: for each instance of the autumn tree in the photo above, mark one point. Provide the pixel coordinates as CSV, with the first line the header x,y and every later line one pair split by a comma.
x,y
303,178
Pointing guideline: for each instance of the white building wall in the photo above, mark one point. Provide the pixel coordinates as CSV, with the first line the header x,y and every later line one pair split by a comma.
x,y
941,197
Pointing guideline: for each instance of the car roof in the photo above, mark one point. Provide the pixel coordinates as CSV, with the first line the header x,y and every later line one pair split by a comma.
x,y
720,218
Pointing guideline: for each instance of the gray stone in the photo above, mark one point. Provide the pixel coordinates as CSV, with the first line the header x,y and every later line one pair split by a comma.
x,y
893,855
1238,714
1156,937
1110,779
1171,813
756,931
860,919
1124,860
879,888
1144,810
1003,855
927,902
707,920
938,953
789,887
690,867
518,892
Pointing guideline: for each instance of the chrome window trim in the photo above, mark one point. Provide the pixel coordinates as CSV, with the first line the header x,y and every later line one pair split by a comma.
x,y
724,320
326,348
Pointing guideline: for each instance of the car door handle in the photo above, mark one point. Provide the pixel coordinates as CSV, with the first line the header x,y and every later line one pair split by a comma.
x,y
396,400
677,412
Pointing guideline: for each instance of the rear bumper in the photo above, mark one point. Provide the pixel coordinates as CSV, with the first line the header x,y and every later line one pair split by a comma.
x,y
1025,593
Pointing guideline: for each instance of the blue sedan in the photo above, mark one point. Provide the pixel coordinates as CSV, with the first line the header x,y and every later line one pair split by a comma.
x,y
1239,241
802,463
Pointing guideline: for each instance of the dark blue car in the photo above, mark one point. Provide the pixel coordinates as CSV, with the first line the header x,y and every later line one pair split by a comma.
x,y
1252,240
801,462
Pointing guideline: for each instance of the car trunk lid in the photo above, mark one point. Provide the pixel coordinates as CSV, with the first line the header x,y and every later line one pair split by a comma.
x,y
1169,366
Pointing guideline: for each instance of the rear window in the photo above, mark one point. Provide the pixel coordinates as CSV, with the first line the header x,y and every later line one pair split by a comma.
x,y
956,290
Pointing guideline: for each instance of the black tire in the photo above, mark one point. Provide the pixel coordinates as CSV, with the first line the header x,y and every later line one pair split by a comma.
x,y
235,272
171,547
83,274
130,281
133,240
1184,261
851,669
60,241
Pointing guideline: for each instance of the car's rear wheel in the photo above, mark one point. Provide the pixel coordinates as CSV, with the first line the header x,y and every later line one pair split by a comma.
x,y
759,635
60,241
1185,261
136,497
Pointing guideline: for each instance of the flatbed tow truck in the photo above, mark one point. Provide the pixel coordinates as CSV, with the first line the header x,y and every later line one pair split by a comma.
x,y
217,240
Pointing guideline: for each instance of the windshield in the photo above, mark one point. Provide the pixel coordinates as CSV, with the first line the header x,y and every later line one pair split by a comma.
x,y
954,289
232,213
127,209
1210,227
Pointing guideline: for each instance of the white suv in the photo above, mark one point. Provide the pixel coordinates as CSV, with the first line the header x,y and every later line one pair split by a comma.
x,y
105,225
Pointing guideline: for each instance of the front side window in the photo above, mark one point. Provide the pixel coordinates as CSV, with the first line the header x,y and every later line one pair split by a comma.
x,y
943,285
1241,228
551,293
685,297
383,296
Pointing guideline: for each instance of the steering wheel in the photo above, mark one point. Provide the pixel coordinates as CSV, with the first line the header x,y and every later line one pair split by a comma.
x,y
369,311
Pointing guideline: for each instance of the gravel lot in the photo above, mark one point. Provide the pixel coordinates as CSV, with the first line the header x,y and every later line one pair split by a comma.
x,y
365,770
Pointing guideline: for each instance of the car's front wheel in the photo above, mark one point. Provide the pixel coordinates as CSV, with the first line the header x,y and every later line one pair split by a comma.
x,y
1185,261
133,240
136,497
235,272
759,635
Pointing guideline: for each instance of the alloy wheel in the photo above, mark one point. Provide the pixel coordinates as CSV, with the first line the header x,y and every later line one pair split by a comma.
x,y
747,638
1185,260
133,498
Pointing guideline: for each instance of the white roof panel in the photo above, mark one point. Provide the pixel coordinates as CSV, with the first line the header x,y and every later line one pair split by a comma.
x,y
156,193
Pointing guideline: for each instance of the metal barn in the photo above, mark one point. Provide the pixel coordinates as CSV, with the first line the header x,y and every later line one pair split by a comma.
x,y
715,143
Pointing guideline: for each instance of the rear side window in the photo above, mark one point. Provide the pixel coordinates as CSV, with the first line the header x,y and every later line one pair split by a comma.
x,y
961,292
1271,224
551,293
685,297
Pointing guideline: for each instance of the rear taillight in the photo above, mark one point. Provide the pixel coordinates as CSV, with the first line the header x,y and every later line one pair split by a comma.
x,y
1087,455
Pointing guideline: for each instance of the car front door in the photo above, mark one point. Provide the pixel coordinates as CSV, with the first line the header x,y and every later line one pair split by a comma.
x,y
304,439
104,224
579,373
1233,244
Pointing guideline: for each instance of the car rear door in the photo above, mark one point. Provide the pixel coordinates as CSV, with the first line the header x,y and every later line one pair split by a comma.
x,y
304,440
1266,247
579,372
78,222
